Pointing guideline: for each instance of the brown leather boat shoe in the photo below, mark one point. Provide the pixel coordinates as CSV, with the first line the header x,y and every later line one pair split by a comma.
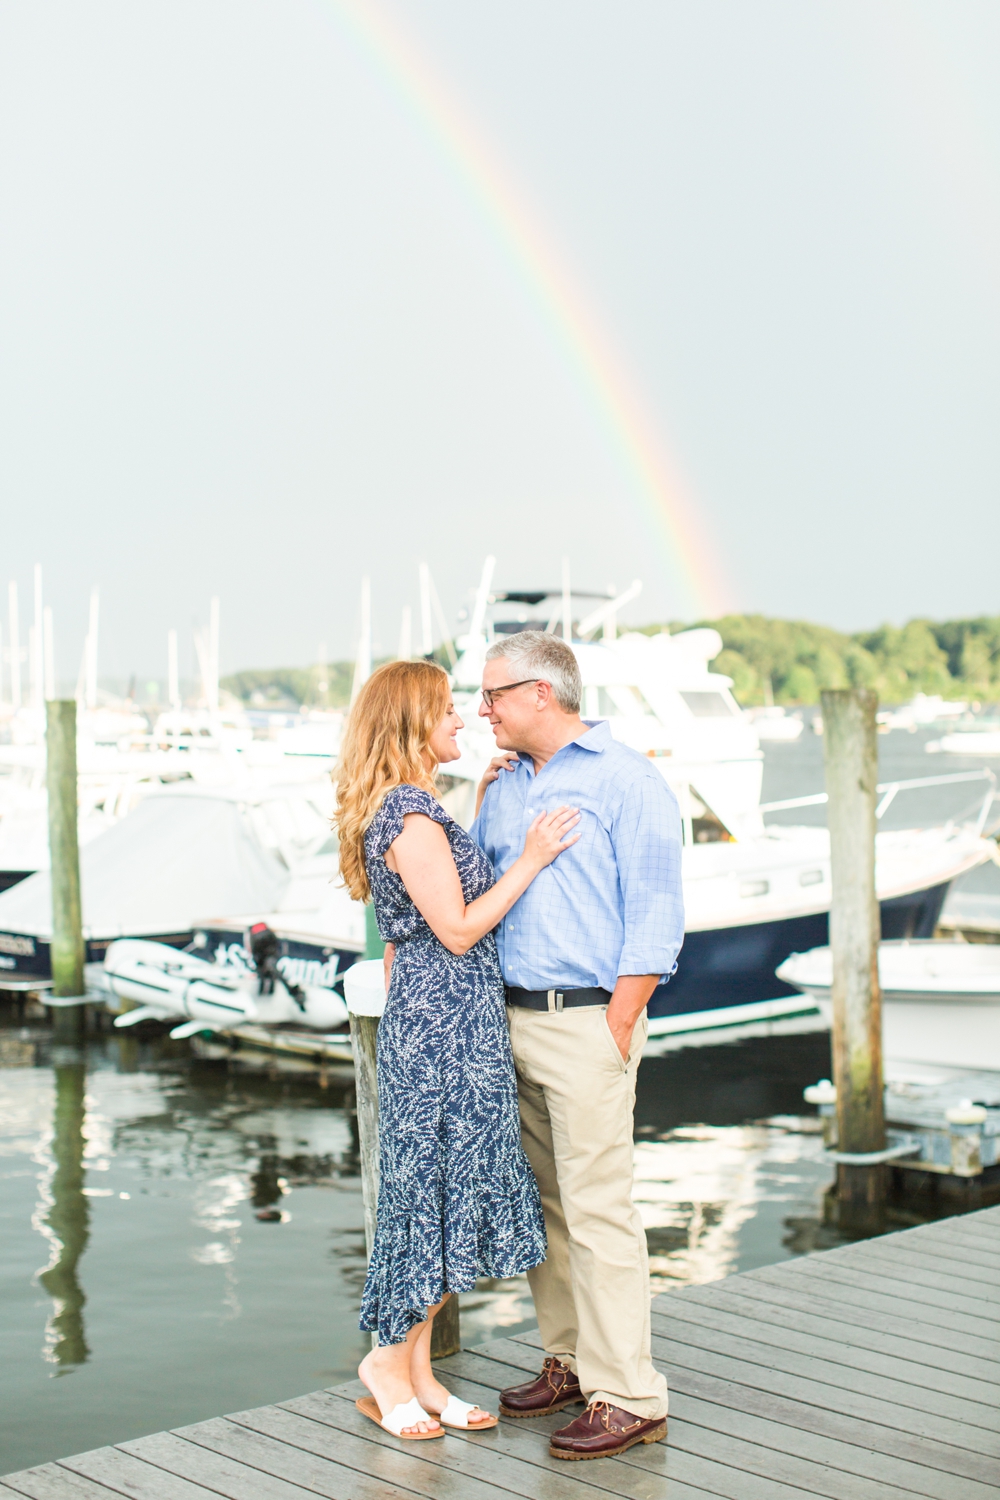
x,y
553,1389
604,1430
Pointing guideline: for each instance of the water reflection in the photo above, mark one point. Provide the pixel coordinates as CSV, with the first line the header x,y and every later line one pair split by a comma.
x,y
66,1224
709,1196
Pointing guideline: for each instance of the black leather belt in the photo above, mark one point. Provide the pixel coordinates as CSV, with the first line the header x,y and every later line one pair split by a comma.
x,y
555,999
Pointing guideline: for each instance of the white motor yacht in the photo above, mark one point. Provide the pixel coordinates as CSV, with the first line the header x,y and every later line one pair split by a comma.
x,y
754,891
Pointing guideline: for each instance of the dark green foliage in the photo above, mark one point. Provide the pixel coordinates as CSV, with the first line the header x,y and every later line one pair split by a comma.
x,y
956,659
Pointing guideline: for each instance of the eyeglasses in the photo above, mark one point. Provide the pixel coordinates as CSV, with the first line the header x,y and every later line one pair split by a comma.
x,y
490,693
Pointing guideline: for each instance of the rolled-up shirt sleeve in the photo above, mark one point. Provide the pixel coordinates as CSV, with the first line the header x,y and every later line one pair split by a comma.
x,y
647,840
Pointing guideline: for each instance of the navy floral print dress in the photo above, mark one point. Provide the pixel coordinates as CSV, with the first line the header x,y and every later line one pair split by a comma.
x,y
457,1198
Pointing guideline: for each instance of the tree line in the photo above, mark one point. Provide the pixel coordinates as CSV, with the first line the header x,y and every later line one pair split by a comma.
x,y
787,660
794,660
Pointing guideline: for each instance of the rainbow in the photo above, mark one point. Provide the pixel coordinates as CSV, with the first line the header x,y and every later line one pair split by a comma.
x,y
588,350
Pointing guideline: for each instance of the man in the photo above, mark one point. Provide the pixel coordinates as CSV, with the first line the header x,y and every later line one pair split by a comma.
x,y
582,951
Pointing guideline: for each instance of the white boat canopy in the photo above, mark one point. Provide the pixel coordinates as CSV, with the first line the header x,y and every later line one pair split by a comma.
x,y
161,869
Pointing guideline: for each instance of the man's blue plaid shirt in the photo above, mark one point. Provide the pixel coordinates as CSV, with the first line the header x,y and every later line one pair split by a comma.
x,y
612,904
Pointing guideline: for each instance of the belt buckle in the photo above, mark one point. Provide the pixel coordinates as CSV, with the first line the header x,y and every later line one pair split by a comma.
x,y
555,1000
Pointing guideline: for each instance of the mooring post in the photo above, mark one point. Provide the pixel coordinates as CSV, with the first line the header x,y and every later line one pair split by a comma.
x,y
364,991
850,753
67,948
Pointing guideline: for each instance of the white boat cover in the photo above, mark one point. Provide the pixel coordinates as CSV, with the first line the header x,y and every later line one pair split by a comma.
x,y
161,869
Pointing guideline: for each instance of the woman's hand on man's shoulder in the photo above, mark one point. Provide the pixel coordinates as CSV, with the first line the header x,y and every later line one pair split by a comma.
x,y
505,761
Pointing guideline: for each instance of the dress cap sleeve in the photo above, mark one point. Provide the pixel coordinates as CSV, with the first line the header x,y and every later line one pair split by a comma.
x,y
387,824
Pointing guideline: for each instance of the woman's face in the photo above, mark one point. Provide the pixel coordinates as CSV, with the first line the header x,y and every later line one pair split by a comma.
x,y
441,744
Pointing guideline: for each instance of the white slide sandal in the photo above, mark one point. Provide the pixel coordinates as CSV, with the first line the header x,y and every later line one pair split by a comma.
x,y
405,1414
456,1414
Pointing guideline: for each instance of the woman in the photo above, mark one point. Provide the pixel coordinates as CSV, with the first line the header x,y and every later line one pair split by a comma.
x,y
457,1198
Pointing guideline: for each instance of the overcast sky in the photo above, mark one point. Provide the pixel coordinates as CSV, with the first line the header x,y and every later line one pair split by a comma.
x,y
257,335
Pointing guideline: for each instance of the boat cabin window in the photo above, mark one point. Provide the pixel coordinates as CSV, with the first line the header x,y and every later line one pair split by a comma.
x,y
614,702
708,705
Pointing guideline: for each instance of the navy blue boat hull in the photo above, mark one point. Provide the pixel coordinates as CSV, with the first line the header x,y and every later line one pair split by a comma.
x,y
734,966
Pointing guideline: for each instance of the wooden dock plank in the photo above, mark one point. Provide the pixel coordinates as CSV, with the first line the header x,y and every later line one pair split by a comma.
x,y
772,1461
958,1261
529,1438
708,1355
130,1476
848,1401
940,1307
842,1288
871,1372
708,1312
353,1467
948,1472
50,1482
858,1443
906,1249
981,1232
971,1417
868,1329
981,1299
981,1239
852,1470
488,1457
233,1478
727,1483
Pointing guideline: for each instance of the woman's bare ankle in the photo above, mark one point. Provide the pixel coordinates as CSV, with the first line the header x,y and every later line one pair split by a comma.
x,y
388,1379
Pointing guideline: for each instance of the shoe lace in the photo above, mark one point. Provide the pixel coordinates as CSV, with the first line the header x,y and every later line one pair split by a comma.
x,y
604,1410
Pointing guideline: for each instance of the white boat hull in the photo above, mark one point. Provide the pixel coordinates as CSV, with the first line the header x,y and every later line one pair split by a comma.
x,y
940,1000
167,985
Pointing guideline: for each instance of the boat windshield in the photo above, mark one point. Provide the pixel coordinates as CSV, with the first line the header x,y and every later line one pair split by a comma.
x,y
708,705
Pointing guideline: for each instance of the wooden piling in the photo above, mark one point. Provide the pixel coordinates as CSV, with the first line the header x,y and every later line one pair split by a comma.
x,y
364,1031
850,755
67,947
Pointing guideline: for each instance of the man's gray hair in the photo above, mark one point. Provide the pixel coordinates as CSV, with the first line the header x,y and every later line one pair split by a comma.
x,y
534,653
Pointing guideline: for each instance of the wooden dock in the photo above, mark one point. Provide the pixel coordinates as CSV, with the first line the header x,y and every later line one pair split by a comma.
x,y
866,1373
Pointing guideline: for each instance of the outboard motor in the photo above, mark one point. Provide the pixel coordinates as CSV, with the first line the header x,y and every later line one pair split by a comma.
x,y
265,949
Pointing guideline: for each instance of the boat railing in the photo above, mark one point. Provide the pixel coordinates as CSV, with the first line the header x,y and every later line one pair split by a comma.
x,y
889,790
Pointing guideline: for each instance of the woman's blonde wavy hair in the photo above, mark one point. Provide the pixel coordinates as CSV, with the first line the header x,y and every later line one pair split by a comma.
x,y
388,729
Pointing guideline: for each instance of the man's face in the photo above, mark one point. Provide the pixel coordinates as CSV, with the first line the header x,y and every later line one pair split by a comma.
x,y
514,714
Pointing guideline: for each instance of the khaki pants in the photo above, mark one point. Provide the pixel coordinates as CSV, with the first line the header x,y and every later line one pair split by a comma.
x,y
591,1295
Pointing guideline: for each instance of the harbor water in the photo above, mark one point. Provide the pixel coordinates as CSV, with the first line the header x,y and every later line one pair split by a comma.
x,y
182,1237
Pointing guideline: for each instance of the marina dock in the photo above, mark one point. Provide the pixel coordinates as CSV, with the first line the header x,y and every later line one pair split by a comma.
x,y
865,1373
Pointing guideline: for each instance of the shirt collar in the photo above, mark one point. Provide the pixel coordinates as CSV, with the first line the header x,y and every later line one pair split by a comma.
x,y
596,738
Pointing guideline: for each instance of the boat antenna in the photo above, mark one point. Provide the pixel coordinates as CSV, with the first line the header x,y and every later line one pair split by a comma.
x,y
15,647
478,621
173,682
406,634
363,664
446,640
